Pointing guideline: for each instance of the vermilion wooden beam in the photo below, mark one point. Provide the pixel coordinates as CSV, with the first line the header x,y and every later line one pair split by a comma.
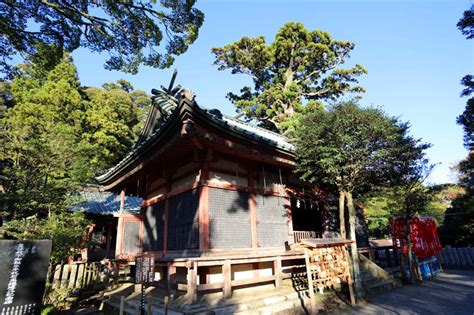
x,y
204,208
253,210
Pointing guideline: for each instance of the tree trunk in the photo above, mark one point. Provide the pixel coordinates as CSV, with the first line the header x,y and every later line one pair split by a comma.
x,y
354,253
411,266
342,219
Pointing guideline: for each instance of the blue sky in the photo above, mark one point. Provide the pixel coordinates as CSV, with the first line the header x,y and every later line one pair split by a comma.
x,y
413,51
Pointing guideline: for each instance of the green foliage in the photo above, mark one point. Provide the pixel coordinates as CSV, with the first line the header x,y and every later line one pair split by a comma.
x,y
466,120
41,130
466,24
111,120
56,300
377,212
67,230
129,31
355,148
48,310
383,204
56,137
297,67
459,222
458,228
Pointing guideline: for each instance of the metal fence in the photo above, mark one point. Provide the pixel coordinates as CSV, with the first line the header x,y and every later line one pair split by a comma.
x,y
457,256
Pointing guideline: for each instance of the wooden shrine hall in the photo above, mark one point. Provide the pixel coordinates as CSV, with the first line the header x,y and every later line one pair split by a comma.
x,y
221,203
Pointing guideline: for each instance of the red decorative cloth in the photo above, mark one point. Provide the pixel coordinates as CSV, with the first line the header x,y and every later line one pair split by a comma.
x,y
424,235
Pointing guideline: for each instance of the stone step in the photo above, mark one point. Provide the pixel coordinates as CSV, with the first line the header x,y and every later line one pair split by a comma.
x,y
380,287
373,281
268,302
282,307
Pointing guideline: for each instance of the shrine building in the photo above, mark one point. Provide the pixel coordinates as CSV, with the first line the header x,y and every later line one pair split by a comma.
x,y
221,202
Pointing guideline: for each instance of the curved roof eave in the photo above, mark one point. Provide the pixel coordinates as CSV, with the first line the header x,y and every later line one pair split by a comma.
x,y
257,135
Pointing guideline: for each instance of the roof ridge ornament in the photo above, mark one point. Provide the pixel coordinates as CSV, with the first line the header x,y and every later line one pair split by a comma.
x,y
163,103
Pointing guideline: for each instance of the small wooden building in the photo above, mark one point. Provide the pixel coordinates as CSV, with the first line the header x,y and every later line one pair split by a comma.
x,y
221,203
110,214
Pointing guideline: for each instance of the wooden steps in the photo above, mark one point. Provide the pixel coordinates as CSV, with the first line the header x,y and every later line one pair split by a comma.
x,y
269,302
375,279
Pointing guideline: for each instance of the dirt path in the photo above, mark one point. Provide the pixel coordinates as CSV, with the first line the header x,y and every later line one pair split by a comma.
x,y
451,293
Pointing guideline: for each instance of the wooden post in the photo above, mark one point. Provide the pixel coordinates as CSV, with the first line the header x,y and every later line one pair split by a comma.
x,y
192,283
227,278
349,278
204,219
291,233
57,276
119,240
166,305
73,276
252,208
148,304
80,275
122,305
122,200
309,273
278,272
204,209
171,276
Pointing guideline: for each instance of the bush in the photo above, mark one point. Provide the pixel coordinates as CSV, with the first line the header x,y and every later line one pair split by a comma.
x,y
66,230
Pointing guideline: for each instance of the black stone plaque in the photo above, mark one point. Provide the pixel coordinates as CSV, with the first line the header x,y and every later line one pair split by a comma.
x,y
23,269
144,269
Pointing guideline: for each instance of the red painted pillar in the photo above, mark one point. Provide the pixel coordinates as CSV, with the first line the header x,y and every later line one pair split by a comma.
x,y
253,208
204,208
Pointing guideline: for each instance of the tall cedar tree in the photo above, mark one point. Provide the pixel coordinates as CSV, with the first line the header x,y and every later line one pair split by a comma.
x,y
459,222
130,32
300,67
350,147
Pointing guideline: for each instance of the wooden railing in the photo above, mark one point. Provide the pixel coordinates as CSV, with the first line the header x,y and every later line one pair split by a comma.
x,y
301,235
381,255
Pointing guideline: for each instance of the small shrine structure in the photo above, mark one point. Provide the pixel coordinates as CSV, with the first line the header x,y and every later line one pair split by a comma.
x,y
221,203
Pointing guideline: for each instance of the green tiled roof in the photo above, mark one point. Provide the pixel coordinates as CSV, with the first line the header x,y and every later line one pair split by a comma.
x,y
259,134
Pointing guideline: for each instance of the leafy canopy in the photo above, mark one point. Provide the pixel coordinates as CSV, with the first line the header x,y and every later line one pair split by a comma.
x,y
466,23
131,32
57,136
355,148
459,223
299,67
383,204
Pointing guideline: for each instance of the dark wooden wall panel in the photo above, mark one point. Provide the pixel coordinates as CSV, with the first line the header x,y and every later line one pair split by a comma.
x,y
153,227
272,218
183,221
229,216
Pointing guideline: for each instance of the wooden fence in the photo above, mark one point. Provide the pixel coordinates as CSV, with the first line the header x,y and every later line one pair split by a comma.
x,y
301,235
457,256
78,275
